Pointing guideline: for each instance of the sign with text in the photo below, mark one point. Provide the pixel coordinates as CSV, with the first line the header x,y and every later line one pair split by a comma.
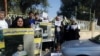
x,y
13,37
18,31
56,54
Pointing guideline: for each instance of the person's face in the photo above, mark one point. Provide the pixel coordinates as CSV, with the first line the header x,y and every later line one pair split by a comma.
x,y
31,15
57,18
37,16
58,48
20,48
1,16
20,22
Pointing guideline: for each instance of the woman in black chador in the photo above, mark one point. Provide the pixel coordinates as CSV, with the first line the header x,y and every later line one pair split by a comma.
x,y
72,31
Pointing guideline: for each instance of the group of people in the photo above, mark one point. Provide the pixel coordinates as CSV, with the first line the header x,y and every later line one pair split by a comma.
x,y
66,30
63,32
18,22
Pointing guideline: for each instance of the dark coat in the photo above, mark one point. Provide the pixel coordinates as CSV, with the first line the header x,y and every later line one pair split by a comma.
x,y
27,22
71,34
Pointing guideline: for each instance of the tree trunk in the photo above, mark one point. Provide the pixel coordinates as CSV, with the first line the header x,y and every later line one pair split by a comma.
x,y
5,3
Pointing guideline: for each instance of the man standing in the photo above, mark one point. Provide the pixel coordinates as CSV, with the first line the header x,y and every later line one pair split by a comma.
x,y
58,29
30,20
3,23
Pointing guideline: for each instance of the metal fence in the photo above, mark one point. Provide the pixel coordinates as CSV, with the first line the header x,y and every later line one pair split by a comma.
x,y
85,25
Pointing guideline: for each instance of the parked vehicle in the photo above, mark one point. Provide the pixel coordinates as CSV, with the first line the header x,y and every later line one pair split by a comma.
x,y
90,47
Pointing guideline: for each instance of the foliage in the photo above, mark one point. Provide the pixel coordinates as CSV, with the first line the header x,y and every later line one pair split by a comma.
x,y
77,8
1,5
21,6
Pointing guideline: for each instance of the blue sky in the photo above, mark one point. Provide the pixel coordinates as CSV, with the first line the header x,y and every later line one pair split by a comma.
x,y
54,7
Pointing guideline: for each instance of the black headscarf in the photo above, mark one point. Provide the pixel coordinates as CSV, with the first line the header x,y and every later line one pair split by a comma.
x,y
14,23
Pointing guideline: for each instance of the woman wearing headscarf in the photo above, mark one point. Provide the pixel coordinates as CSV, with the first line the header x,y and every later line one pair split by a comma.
x,y
73,30
18,23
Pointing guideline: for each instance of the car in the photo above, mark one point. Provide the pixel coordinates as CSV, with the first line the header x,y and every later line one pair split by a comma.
x,y
89,47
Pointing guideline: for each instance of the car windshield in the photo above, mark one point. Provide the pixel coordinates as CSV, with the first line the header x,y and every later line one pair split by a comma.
x,y
96,39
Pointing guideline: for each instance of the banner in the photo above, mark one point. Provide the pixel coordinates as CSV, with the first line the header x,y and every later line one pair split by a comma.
x,y
37,45
15,39
37,42
52,32
2,45
56,54
18,31
45,23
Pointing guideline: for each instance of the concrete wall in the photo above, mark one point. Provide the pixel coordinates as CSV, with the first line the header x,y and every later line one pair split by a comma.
x,y
89,29
88,34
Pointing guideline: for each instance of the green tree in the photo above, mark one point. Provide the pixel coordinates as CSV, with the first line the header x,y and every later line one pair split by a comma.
x,y
79,8
21,6
32,4
1,5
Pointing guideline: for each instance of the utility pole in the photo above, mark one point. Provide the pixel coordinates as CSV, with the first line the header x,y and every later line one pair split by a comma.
x,y
5,4
93,24
76,12
90,20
